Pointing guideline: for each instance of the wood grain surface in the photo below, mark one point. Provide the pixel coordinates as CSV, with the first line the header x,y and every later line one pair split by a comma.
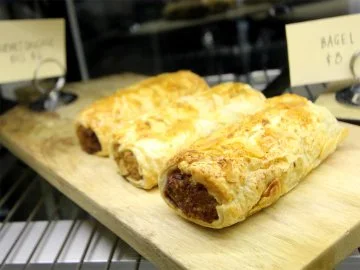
x,y
313,227
341,111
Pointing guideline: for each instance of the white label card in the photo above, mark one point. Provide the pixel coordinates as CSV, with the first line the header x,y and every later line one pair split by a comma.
x,y
320,51
24,43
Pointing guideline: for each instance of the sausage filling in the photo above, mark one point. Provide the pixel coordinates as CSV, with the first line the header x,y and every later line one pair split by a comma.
x,y
128,165
88,140
191,198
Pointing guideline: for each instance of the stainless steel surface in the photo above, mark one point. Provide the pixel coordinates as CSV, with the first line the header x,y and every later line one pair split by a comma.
x,y
18,237
74,255
93,231
17,204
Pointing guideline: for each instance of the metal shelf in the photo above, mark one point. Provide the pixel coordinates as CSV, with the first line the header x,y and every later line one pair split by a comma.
x,y
42,229
162,25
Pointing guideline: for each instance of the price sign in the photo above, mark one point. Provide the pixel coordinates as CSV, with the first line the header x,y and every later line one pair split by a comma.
x,y
320,50
25,43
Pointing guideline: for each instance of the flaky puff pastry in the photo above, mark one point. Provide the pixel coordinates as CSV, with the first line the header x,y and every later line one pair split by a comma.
x,y
95,124
142,148
235,172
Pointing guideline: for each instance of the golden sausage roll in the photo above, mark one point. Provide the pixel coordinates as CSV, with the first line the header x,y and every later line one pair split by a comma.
x,y
95,123
238,170
142,149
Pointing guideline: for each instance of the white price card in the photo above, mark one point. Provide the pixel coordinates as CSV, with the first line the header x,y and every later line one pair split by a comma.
x,y
25,43
320,51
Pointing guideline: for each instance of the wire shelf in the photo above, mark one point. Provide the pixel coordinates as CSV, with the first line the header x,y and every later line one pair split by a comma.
x,y
42,229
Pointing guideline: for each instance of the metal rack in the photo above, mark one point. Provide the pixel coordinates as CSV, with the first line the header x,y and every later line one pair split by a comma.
x,y
41,229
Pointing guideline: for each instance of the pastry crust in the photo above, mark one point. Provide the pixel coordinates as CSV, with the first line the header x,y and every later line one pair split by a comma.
x,y
247,166
142,148
95,124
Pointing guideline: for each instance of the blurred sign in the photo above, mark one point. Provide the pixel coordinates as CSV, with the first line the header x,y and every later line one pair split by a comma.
x,y
320,51
25,43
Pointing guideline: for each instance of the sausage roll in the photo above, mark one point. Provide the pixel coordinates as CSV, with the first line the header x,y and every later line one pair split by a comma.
x,y
142,149
95,123
238,170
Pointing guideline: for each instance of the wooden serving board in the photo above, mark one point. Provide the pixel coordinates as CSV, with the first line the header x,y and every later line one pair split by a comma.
x,y
341,111
313,227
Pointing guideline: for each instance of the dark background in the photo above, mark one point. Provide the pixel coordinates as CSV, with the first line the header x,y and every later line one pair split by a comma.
x,y
110,43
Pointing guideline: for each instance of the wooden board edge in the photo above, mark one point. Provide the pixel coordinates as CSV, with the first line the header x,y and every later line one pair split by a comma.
x,y
335,251
322,262
158,258
340,111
